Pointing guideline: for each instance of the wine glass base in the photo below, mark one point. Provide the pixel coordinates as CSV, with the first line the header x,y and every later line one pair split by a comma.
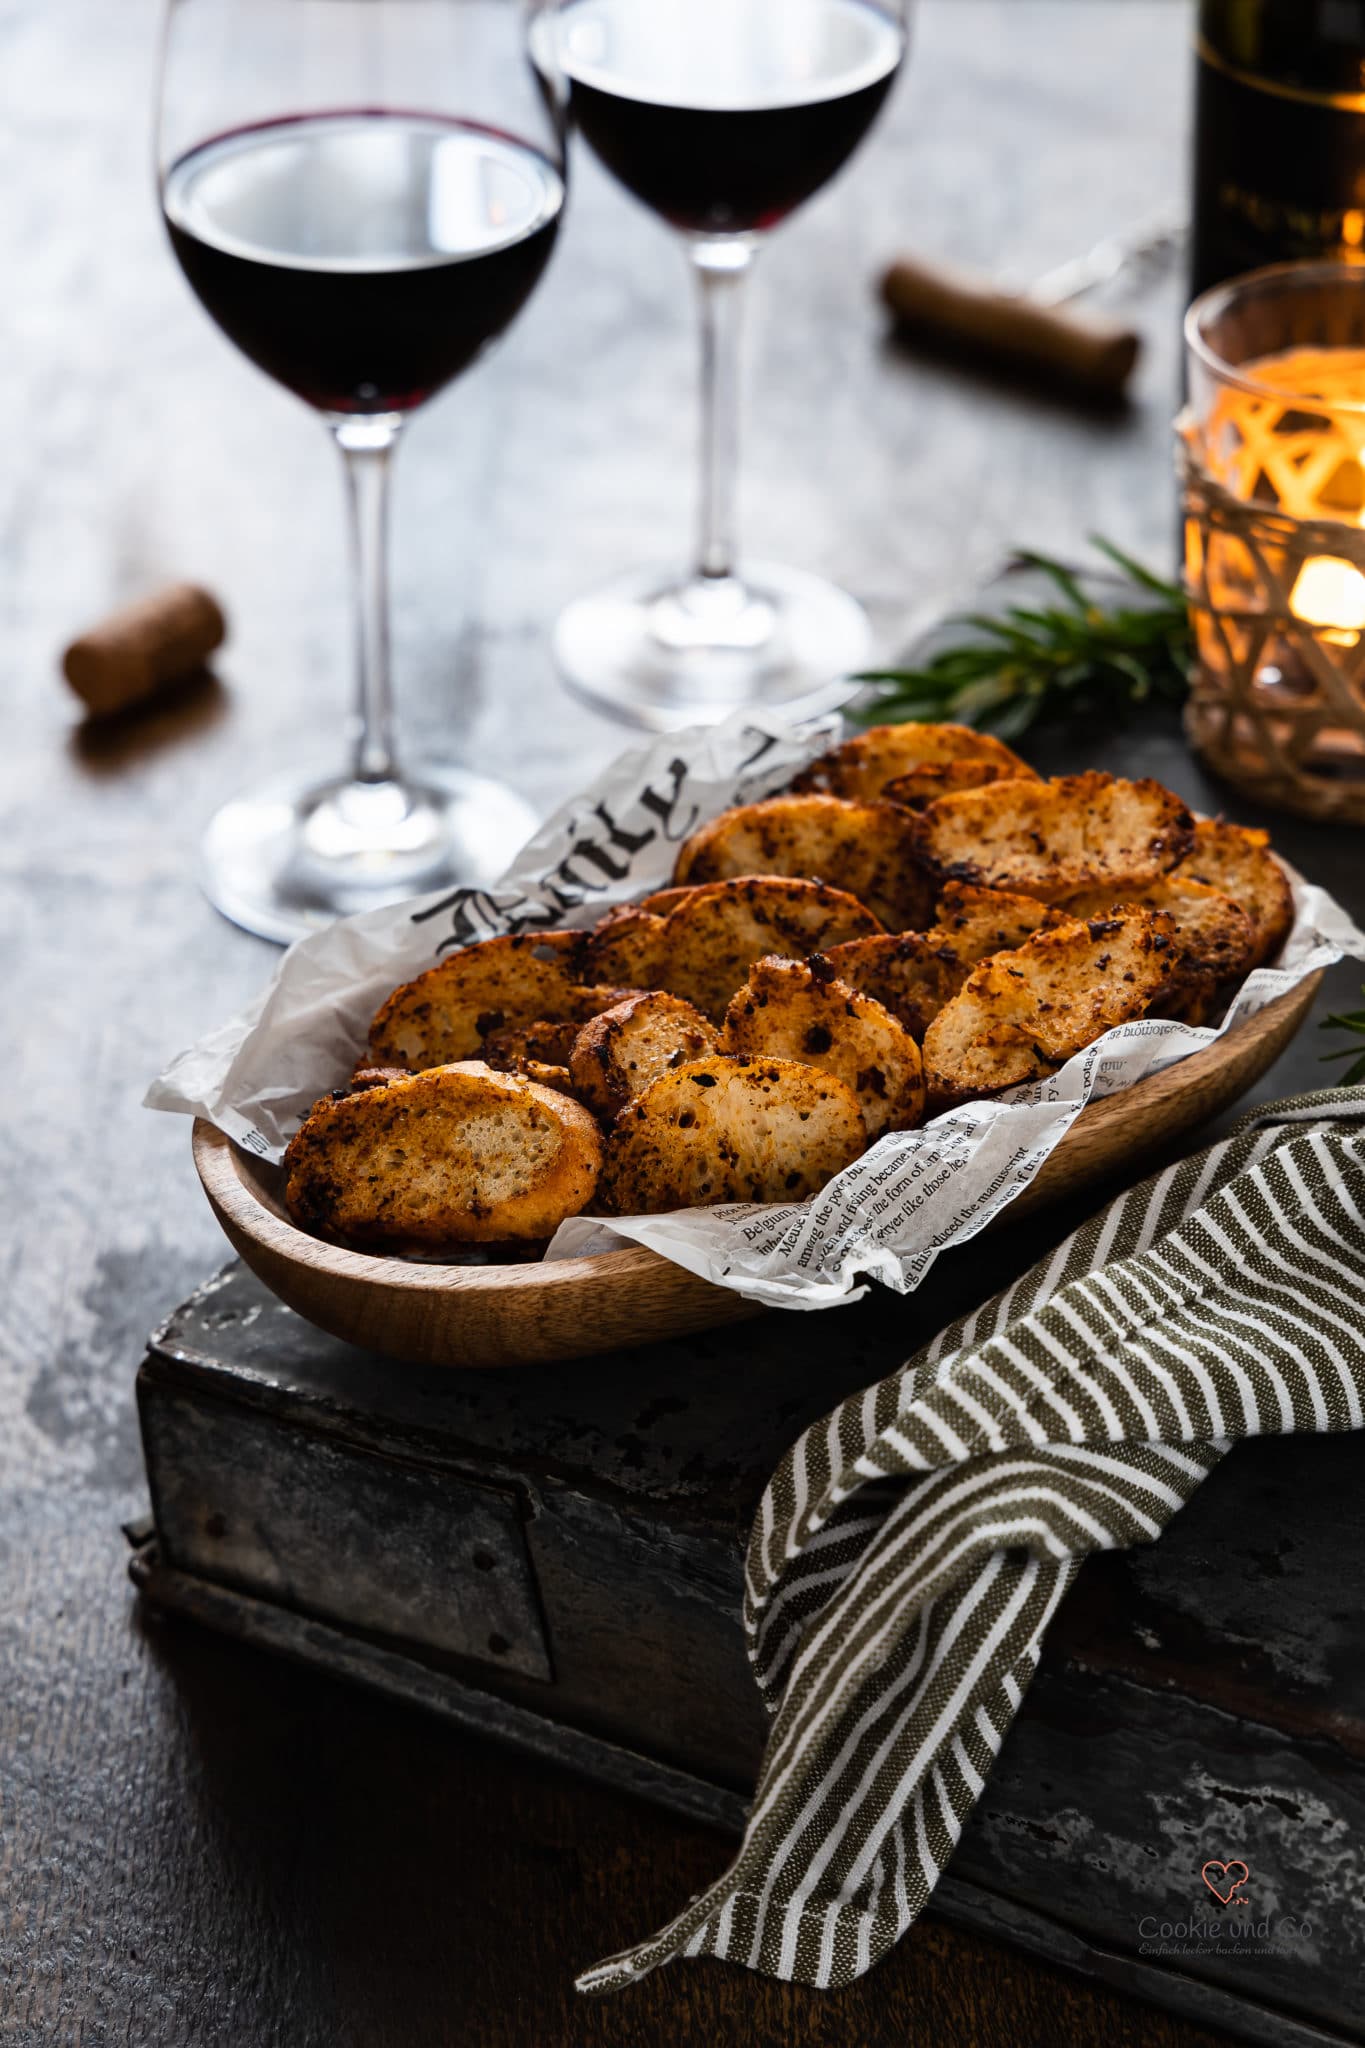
x,y
289,857
658,653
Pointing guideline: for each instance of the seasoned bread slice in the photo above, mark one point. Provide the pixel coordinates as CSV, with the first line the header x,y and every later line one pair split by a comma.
x,y
617,1054
626,947
716,933
1215,935
1022,1014
546,1074
446,1013
548,1040
977,922
1190,999
911,974
661,901
730,1130
454,1155
1238,861
1051,839
800,1010
864,765
867,849
924,786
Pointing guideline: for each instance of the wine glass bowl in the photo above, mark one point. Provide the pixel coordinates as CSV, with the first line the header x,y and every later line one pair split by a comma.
x,y
377,305
722,117
362,194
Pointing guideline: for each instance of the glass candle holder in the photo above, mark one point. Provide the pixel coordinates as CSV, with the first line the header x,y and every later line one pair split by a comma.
x,y
1271,449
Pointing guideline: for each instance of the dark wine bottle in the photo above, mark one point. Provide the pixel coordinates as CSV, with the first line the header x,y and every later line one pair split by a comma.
x,y
1279,157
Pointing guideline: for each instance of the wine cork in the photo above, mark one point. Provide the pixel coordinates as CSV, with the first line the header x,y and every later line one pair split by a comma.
x,y
1064,344
143,648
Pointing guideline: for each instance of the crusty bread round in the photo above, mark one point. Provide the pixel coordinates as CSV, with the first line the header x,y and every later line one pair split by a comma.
x,y
911,974
626,947
712,938
924,786
618,1053
867,849
943,755
1051,839
1215,934
1237,860
454,1155
801,1010
1022,1014
730,1130
508,1049
446,1013
978,922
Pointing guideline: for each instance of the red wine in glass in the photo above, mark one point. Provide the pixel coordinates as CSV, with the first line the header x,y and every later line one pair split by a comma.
x,y
725,133
363,259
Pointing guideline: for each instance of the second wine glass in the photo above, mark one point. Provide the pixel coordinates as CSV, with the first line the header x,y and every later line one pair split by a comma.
x,y
722,116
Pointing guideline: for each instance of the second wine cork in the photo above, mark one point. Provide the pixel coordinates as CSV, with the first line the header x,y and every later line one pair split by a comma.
x,y
1062,343
137,651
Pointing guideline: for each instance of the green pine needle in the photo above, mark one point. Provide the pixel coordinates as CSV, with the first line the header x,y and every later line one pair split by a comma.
x,y
1074,658
1354,1022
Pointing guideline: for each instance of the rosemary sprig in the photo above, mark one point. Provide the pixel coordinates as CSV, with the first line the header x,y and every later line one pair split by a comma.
x,y
1074,658
1354,1022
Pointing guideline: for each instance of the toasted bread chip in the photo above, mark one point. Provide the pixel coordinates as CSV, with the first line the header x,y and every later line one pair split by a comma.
x,y
911,974
626,947
454,1155
1238,860
545,1074
366,1076
800,1010
616,1055
716,933
978,922
730,1130
1215,935
924,786
1022,1014
661,901
511,1045
446,1013
864,765
1191,999
1051,839
866,849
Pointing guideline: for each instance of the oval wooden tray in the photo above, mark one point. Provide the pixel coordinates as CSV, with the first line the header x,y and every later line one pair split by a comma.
x,y
511,1315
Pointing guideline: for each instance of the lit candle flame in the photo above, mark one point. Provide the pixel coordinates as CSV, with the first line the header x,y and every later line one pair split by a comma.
x,y
1330,594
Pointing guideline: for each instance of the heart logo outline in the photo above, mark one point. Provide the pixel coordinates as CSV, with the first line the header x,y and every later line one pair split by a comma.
x,y
1226,1898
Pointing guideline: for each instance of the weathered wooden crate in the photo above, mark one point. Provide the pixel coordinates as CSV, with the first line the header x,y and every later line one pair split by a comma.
x,y
553,1554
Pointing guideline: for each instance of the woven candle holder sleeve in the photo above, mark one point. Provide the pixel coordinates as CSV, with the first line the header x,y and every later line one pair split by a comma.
x,y
1277,703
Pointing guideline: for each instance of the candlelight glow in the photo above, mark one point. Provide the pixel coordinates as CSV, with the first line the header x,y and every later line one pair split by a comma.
x,y
1272,457
1330,594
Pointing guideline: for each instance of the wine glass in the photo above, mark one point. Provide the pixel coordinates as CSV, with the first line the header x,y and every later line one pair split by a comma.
x,y
363,194
723,116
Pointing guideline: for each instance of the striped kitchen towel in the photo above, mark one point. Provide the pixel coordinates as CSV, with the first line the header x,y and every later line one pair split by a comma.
x,y
912,1547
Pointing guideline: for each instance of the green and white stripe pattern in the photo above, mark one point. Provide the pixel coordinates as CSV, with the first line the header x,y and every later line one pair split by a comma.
x,y
912,1547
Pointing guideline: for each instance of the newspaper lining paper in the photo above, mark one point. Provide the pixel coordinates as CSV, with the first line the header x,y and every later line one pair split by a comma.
x,y
887,1216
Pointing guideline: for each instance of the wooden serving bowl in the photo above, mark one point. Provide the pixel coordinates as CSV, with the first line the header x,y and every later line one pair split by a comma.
x,y
517,1314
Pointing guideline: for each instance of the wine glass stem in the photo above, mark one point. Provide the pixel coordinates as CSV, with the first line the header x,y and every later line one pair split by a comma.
x,y
720,267
366,442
